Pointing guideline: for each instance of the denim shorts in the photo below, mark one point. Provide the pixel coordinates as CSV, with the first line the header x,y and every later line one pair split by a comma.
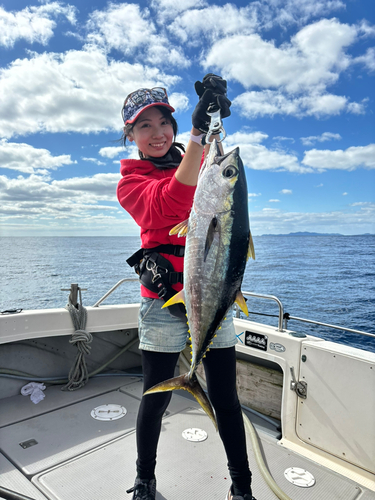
x,y
160,331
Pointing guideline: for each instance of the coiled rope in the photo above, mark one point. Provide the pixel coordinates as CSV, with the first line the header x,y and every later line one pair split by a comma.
x,y
78,375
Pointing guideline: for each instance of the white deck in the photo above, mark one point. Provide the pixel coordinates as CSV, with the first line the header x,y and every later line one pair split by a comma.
x,y
73,456
79,457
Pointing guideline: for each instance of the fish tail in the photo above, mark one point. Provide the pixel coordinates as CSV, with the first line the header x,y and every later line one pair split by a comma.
x,y
190,384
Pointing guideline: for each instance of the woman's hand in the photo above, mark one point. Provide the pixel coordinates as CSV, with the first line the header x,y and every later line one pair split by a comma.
x,y
212,94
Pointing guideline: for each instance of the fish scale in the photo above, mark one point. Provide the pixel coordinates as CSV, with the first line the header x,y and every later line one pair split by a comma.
x,y
218,243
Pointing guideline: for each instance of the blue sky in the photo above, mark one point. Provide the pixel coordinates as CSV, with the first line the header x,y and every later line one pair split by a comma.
x,y
300,76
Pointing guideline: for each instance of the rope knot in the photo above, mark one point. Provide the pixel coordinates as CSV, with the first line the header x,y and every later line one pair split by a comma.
x,y
82,339
78,375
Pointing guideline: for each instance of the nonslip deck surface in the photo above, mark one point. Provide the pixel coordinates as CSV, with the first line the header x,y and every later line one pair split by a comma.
x,y
82,459
185,470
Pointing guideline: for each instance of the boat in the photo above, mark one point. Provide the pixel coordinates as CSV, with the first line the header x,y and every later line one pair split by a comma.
x,y
310,401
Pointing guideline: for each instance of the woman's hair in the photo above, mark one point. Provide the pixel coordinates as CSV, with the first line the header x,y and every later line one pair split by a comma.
x,y
167,114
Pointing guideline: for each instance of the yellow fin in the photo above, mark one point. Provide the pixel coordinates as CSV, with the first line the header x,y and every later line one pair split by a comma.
x,y
179,297
181,229
187,384
251,250
240,301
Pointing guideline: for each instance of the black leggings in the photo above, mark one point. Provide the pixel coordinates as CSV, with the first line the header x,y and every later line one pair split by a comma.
x,y
220,369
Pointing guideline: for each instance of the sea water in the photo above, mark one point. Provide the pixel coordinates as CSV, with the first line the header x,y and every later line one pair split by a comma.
x,y
329,279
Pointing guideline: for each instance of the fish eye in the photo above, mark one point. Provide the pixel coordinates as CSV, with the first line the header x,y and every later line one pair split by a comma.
x,y
230,171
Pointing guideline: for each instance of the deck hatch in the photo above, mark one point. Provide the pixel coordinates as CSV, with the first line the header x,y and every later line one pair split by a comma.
x,y
194,434
108,412
299,477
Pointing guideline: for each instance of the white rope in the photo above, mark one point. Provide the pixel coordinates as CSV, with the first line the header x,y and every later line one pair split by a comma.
x,y
78,375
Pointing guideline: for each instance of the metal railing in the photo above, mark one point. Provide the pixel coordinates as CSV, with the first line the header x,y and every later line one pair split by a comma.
x,y
97,304
267,297
283,318
350,330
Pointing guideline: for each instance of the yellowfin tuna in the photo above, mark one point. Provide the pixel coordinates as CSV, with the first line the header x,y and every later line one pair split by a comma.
x,y
218,245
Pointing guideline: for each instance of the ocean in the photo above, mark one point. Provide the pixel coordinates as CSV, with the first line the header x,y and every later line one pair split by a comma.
x,y
323,278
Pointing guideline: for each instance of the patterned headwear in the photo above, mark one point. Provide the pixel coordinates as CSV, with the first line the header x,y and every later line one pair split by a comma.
x,y
142,99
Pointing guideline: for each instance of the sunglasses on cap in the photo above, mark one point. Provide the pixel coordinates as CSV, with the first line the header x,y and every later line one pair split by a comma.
x,y
141,99
139,96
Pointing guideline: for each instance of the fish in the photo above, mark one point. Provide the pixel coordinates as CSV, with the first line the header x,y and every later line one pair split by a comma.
x,y
218,245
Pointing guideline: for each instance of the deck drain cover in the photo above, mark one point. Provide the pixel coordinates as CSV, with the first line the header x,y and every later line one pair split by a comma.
x,y
299,477
108,412
194,434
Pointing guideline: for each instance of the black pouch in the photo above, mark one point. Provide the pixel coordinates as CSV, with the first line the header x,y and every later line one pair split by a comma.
x,y
157,274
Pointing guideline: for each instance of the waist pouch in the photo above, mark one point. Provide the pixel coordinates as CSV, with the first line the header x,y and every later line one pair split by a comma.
x,y
157,274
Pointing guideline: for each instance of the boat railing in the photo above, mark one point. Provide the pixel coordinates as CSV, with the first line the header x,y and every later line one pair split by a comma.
x,y
97,304
267,297
283,318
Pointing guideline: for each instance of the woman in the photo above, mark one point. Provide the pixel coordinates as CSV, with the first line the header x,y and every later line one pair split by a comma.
x,y
157,191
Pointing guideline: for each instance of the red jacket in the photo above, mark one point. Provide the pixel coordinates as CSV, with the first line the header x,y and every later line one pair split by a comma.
x,y
157,201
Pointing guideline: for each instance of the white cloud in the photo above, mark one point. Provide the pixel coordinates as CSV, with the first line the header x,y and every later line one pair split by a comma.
x,y
216,22
33,24
93,160
102,185
27,159
365,29
357,108
256,156
179,101
37,196
85,205
349,159
247,137
314,56
367,204
286,191
35,204
274,201
326,136
170,9
293,78
273,102
127,28
213,23
80,91
111,152
288,12
282,138
367,59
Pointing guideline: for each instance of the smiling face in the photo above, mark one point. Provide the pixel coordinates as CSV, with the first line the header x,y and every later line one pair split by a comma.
x,y
152,133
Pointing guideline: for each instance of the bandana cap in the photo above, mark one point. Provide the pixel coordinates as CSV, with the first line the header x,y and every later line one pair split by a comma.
x,y
131,111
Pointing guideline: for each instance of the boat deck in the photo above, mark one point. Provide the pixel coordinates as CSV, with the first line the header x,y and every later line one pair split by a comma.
x,y
67,454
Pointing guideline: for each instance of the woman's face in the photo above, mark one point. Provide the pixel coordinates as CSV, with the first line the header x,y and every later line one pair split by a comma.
x,y
152,133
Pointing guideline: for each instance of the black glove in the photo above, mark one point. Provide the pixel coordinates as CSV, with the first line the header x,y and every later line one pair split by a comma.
x,y
211,82
212,95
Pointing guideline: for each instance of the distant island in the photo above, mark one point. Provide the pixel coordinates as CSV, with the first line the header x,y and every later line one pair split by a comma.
x,y
307,233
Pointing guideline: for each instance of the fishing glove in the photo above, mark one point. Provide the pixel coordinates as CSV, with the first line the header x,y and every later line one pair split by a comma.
x,y
212,95
212,82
